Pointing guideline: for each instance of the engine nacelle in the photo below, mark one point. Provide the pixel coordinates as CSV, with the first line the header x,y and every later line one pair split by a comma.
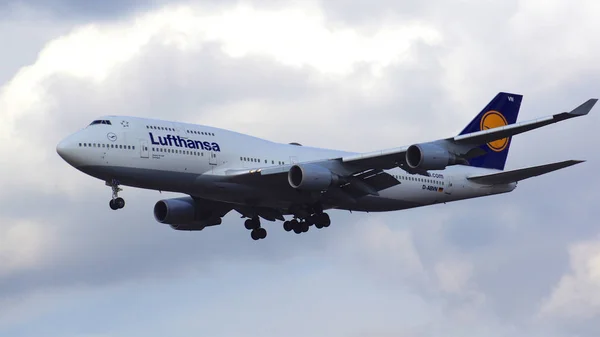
x,y
311,177
197,225
429,156
183,214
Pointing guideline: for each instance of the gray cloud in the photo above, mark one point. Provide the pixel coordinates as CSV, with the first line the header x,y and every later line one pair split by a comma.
x,y
67,9
510,250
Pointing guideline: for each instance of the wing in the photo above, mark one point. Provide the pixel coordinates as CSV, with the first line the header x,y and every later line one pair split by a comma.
x,y
465,146
211,210
363,174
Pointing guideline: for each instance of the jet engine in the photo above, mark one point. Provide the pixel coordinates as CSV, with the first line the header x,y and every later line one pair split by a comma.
x,y
429,156
184,214
311,177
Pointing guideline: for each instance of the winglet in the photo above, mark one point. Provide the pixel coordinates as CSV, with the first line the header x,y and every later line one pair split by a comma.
x,y
584,108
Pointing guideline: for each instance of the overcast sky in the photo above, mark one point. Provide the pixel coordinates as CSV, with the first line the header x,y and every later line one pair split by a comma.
x,y
351,75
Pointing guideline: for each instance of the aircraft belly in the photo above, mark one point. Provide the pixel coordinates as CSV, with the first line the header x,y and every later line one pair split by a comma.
x,y
144,178
379,204
281,197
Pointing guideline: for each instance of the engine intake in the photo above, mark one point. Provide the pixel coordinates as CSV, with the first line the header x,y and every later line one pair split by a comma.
x,y
311,177
183,214
429,157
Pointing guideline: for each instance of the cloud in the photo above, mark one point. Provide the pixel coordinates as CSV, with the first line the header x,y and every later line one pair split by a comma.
x,y
575,296
360,81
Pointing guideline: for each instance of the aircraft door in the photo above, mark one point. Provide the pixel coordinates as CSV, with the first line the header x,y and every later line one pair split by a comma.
x,y
212,158
144,150
449,185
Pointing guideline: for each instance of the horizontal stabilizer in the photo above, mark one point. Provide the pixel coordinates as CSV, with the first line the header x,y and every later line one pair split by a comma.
x,y
521,174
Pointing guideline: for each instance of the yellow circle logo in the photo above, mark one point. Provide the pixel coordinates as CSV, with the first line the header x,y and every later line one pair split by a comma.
x,y
493,119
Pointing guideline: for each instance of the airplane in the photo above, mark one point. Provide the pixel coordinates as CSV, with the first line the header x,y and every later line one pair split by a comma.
x,y
221,170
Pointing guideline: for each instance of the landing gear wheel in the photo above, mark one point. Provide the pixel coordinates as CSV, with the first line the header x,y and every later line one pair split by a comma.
x,y
305,226
324,219
252,223
287,226
113,205
258,233
120,202
297,230
262,233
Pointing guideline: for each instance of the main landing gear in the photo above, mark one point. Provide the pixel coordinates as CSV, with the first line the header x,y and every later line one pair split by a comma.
x,y
116,202
257,232
319,220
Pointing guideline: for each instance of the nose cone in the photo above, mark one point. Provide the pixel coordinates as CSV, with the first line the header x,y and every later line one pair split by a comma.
x,y
61,148
65,150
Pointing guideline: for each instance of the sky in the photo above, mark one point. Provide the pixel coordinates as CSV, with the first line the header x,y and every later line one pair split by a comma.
x,y
349,75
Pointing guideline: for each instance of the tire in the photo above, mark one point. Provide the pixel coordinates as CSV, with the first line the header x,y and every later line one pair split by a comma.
x,y
262,233
113,205
119,202
287,226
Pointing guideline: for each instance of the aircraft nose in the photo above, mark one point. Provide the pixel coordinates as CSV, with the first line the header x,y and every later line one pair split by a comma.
x,y
61,148
65,150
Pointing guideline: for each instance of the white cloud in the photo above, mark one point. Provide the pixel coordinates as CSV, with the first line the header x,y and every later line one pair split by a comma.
x,y
302,76
453,274
296,36
23,245
577,294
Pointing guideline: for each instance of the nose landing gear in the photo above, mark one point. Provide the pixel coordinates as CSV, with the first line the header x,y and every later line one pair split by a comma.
x,y
116,202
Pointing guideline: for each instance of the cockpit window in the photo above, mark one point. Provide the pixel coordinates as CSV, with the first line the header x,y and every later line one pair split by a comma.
x,y
107,122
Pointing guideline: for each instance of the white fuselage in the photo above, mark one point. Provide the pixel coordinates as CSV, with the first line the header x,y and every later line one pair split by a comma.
x,y
191,159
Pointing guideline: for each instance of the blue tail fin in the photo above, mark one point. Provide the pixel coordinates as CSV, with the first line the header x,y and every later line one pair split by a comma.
x,y
502,110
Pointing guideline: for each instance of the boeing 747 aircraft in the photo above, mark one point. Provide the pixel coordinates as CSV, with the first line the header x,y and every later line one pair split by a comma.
x,y
221,170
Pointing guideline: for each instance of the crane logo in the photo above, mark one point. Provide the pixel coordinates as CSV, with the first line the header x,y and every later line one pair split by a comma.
x,y
494,119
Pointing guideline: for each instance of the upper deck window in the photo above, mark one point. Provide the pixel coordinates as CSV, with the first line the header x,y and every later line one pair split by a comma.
x,y
107,122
